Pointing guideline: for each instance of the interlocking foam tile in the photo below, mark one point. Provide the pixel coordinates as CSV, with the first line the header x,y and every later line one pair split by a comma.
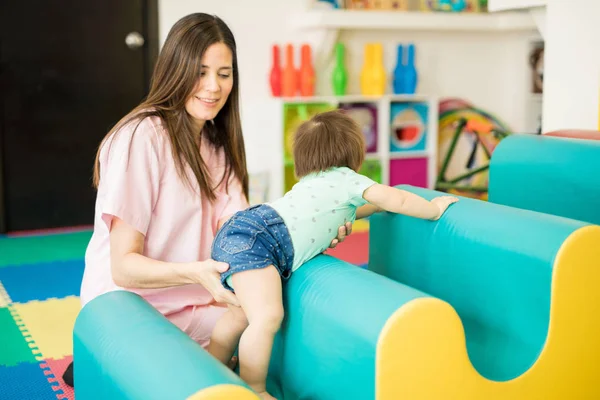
x,y
15,348
25,381
42,281
355,249
4,297
33,249
54,369
50,324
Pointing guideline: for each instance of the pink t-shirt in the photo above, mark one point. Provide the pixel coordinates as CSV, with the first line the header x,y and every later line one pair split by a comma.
x,y
141,186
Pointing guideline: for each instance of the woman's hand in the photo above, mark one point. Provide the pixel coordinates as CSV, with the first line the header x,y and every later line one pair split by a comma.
x,y
343,232
207,273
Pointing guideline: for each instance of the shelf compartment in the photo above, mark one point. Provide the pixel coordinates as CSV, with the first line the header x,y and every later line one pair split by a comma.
x,y
408,126
410,171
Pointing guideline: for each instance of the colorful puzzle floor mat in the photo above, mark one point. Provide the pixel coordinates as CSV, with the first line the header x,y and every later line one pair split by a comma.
x,y
40,278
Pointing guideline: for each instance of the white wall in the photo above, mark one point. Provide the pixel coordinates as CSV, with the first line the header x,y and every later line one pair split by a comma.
x,y
572,64
571,31
490,70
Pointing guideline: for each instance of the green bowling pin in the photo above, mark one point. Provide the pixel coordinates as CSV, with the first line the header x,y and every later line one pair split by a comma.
x,y
339,77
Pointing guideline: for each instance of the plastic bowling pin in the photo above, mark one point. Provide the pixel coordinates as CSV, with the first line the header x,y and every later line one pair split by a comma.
x,y
398,80
372,79
307,72
339,76
289,75
410,71
365,74
275,75
379,75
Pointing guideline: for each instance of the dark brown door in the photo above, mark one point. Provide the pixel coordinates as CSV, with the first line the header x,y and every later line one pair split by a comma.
x,y
67,75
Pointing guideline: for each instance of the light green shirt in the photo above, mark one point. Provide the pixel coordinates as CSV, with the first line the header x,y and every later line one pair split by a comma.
x,y
317,206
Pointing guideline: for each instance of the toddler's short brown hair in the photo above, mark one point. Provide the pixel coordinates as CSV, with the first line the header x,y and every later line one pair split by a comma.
x,y
329,139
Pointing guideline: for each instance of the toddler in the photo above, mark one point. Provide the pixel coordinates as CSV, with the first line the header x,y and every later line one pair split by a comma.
x,y
266,243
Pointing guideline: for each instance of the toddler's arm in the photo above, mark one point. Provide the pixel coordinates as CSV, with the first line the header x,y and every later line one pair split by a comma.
x,y
403,202
366,211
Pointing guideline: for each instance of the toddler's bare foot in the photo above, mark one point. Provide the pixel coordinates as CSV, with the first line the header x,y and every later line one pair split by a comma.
x,y
266,396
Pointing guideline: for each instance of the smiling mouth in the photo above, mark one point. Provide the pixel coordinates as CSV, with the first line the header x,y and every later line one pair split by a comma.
x,y
207,100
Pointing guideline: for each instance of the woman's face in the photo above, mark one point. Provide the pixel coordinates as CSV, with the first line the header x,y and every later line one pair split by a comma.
x,y
213,87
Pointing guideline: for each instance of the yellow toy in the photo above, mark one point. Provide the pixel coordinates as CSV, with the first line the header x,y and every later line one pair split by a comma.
x,y
373,77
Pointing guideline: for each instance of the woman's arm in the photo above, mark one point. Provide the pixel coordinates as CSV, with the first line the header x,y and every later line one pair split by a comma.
x,y
130,269
403,202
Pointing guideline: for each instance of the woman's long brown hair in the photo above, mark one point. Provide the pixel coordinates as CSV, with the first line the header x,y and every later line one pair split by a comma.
x,y
175,75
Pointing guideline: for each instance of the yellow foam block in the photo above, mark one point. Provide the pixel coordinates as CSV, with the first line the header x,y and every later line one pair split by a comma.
x,y
422,353
360,225
49,324
224,392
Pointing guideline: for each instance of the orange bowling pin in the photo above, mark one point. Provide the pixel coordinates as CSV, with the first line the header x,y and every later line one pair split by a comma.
x,y
290,74
307,72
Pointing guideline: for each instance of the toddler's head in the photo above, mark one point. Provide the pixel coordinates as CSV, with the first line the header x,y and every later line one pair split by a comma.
x,y
329,139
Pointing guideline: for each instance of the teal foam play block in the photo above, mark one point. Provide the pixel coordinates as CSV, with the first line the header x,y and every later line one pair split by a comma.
x,y
492,263
553,175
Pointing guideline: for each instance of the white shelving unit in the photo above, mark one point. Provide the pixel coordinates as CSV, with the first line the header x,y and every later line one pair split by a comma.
x,y
322,28
383,154
328,23
535,8
502,5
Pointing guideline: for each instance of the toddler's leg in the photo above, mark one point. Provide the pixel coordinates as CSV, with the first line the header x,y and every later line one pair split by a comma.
x,y
226,334
259,293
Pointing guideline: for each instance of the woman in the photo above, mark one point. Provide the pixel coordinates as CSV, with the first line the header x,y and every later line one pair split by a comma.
x,y
168,175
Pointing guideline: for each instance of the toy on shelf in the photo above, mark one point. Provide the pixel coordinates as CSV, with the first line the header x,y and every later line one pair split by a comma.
x,y
398,81
399,5
373,76
365,114
307,72
405,73
332,3
453,5
290,74
398,73
408,126
275,75
339,76
288,80
467,139
357,4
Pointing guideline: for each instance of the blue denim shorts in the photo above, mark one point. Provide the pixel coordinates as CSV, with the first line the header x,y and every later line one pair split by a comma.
x,y
253,239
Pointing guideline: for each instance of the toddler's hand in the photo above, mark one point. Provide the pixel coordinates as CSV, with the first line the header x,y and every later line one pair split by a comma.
x,y
443,202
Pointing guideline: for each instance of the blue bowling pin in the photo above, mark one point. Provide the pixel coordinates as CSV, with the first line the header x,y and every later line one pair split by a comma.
x,y
398,82
410,71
